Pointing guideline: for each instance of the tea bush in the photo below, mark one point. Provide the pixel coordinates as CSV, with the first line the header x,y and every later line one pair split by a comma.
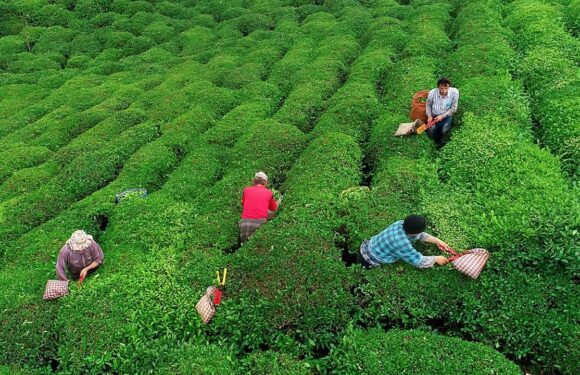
x,y
188,99
19,158
285,314
550,73
375,351
470,211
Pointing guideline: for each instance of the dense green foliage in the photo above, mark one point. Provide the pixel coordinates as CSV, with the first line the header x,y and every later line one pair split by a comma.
x,y
188,99
551,74
396,352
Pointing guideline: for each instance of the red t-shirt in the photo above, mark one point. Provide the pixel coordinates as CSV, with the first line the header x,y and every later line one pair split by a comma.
x,y
257,200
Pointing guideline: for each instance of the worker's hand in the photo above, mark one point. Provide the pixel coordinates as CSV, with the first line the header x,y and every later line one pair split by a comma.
x,y
84,273
443,246
429,119
280,199
439,118
441,260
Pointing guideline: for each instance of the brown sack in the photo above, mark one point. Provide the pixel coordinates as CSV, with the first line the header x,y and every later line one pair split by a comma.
x,y
418,111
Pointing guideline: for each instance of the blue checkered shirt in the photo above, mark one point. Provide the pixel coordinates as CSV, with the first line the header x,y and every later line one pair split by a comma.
x,y
394,244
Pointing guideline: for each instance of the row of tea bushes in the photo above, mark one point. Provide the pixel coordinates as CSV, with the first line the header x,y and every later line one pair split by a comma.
x,y
549,70
318,77
292,294
164,224
398,351
57,98
484,180
21,157
400,295
149,167
501,192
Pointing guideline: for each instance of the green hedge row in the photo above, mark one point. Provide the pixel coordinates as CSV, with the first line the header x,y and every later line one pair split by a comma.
x,y
146,168
57,98
549,71
29,180
289,290
503,193
21,157
317,81
394,352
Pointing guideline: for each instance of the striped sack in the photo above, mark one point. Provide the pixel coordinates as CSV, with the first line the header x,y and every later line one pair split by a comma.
x,y
55,289
470,262
205,306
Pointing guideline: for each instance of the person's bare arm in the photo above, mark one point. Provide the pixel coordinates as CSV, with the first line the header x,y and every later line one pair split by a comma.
x,y
434,240
88,268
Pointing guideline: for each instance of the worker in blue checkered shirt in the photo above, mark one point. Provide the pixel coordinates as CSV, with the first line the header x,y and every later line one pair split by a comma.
x,y
396,243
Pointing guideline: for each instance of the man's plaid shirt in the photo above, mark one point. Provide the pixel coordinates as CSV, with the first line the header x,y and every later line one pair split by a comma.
x,y
394,244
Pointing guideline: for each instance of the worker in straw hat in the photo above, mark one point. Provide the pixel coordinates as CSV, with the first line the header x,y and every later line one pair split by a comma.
x,y
396,243
258,205
79,255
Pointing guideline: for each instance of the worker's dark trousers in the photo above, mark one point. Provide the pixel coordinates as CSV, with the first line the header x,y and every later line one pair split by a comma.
x,y
440,131
360,260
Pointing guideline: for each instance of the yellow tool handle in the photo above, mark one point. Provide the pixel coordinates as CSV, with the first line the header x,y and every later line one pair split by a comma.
x,y
225,275
421,129
218,277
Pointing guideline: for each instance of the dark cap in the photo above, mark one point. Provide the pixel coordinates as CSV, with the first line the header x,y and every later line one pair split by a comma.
x,y
414,224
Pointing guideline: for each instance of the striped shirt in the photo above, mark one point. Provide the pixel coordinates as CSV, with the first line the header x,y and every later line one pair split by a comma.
x,y
442,105
394,244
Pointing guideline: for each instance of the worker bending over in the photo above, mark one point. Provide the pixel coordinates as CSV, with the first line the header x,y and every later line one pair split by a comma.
x,y
258,205
396,243
79,256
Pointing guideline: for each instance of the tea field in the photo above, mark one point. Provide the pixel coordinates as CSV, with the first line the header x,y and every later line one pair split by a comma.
x,y
188,99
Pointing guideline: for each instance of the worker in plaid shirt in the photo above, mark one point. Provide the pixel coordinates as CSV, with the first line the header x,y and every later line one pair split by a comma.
x,y
396,243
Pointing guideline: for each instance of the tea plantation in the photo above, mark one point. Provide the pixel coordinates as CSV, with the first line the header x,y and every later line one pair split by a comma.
x,y
188,99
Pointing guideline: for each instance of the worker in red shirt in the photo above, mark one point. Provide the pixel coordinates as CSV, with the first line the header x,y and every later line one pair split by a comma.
x,y
259,205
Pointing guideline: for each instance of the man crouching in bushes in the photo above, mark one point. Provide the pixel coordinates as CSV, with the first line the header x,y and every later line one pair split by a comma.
x,y
259,206
396,243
